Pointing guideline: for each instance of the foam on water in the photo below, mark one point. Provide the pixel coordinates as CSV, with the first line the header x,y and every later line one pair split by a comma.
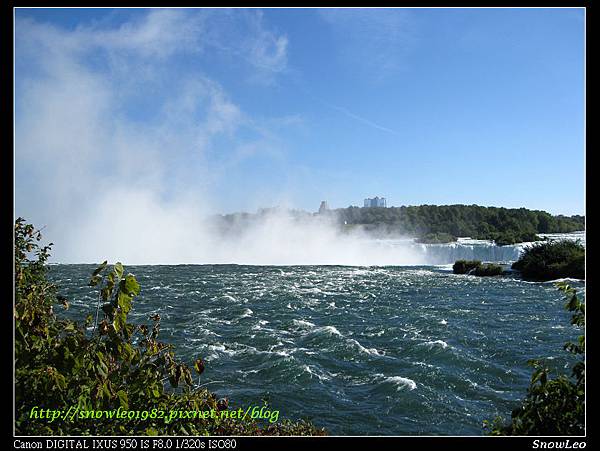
x,y
247,313
370,351
398,381
432,344
303,323
326,331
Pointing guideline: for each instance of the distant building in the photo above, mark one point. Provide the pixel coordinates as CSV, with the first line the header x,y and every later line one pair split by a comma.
x,y
376,202
323,207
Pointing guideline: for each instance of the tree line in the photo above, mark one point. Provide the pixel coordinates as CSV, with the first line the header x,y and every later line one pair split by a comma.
x,y
462,220
435,223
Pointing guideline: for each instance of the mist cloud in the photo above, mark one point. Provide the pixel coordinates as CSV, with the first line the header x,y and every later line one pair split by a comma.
x,y
111,179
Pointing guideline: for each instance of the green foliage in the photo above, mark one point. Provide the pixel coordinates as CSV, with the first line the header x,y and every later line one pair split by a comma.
x,y
476,268
511,237
504,225
107,362
488,269
552,260
430,223
465,266
435,238
553,406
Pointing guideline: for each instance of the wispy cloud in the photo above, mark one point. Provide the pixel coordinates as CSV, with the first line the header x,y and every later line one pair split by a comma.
x,y
113,138
375,41
243,36
115,176
157,34
268,50
162,33
346,112
362,119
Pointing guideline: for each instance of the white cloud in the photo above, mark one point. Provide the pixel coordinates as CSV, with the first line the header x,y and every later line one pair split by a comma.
x,y
133,184
268,50
87,165
161,33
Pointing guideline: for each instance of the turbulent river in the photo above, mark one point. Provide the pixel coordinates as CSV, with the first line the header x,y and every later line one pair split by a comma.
x,y
378,350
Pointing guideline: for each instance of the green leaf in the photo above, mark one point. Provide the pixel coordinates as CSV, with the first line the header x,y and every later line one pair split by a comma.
x,y
124,302
128,350
110,283
99,269
60,381
128,330
123,399
130,285
102,369
105,293
95,280
119,321
199,366
118,270
105,390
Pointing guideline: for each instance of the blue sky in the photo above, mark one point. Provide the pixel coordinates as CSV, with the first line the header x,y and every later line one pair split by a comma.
x,y
238,109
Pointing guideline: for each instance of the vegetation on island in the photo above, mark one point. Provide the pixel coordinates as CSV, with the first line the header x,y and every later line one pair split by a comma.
x,y
553,406
476,268
510,237
465,266
436,238
106,363
552,260
488,270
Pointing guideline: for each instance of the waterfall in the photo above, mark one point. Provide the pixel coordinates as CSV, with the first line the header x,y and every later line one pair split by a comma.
x,y
468,249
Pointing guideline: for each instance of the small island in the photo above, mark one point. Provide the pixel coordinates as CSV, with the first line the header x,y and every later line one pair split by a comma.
x,y
552,260
477,268
539,262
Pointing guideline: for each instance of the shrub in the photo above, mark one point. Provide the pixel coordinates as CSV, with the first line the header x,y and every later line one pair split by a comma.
x,y
552,260
106,363
552,406
465,266
509,238
488,269
436,238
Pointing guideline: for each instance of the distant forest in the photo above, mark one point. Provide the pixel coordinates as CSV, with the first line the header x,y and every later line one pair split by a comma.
x,y
504,225
435,223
